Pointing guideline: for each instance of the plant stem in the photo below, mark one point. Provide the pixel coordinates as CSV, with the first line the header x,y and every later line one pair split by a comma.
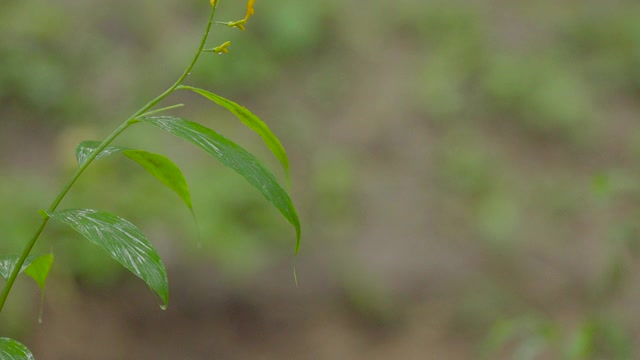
x,y
130,121
186,73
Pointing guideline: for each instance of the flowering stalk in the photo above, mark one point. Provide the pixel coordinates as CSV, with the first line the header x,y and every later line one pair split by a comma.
x,y
121,239
119,130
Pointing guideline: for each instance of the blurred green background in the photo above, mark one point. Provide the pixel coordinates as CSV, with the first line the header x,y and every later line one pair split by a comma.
x,y
466,173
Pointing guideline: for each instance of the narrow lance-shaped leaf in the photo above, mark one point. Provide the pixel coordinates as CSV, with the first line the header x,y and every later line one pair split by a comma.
x,y
85,148
235,157
13,350
161,167
164,170
123,241
7,263
252,122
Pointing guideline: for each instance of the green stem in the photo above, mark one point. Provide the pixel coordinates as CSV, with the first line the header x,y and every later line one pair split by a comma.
x,y
130,121
186,73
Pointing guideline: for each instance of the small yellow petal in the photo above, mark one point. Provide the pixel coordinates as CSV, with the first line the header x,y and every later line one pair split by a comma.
x,y
250,10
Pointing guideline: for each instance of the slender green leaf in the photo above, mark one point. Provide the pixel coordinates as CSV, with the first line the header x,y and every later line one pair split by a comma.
x,y
157,165
151,112
13,350
39,269
123,241
235,157
164,170
252,122
7,263
85,148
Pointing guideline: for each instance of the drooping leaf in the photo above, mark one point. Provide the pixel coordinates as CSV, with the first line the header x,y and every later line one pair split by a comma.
x,y
85,148
39,269
235,157
123,241
157,165
7,263
252,122
164,170
13,350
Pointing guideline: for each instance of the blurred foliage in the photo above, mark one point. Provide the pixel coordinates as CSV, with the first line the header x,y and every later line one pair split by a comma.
x,y
528,112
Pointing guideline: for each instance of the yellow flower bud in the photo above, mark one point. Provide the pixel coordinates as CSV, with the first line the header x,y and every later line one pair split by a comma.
x,y
222,49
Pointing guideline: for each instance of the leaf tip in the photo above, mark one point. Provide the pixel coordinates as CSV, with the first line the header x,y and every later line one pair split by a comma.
x,y
297,241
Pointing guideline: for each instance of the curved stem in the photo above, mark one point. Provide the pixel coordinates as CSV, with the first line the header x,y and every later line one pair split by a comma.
x,y
130,121
186,73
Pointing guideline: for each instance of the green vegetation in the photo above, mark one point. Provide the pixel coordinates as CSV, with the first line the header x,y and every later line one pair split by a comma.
x,y
121,239
475,154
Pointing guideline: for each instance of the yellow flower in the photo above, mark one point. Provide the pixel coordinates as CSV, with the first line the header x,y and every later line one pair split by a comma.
x,y
213,2
240,23
250,10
